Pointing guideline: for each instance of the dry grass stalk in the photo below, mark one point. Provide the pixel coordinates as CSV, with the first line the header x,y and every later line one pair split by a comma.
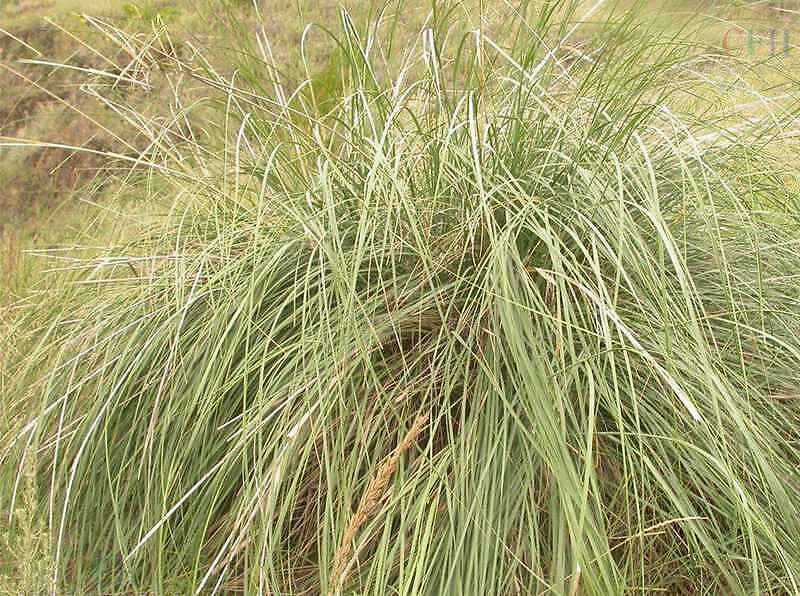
x,y
368,502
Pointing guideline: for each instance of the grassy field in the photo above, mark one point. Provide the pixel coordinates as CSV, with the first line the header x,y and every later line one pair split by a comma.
x,y
447,298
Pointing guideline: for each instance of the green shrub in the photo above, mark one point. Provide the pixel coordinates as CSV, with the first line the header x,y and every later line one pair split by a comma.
x,y
149,12
501,321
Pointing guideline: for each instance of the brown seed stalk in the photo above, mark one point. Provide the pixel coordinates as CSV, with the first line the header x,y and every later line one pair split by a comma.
x,y
369,500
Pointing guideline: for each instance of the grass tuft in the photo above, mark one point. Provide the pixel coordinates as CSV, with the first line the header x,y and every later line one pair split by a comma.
x,y
504,316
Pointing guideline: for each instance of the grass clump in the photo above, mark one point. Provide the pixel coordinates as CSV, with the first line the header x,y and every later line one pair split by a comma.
x,y
25,561
503,319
